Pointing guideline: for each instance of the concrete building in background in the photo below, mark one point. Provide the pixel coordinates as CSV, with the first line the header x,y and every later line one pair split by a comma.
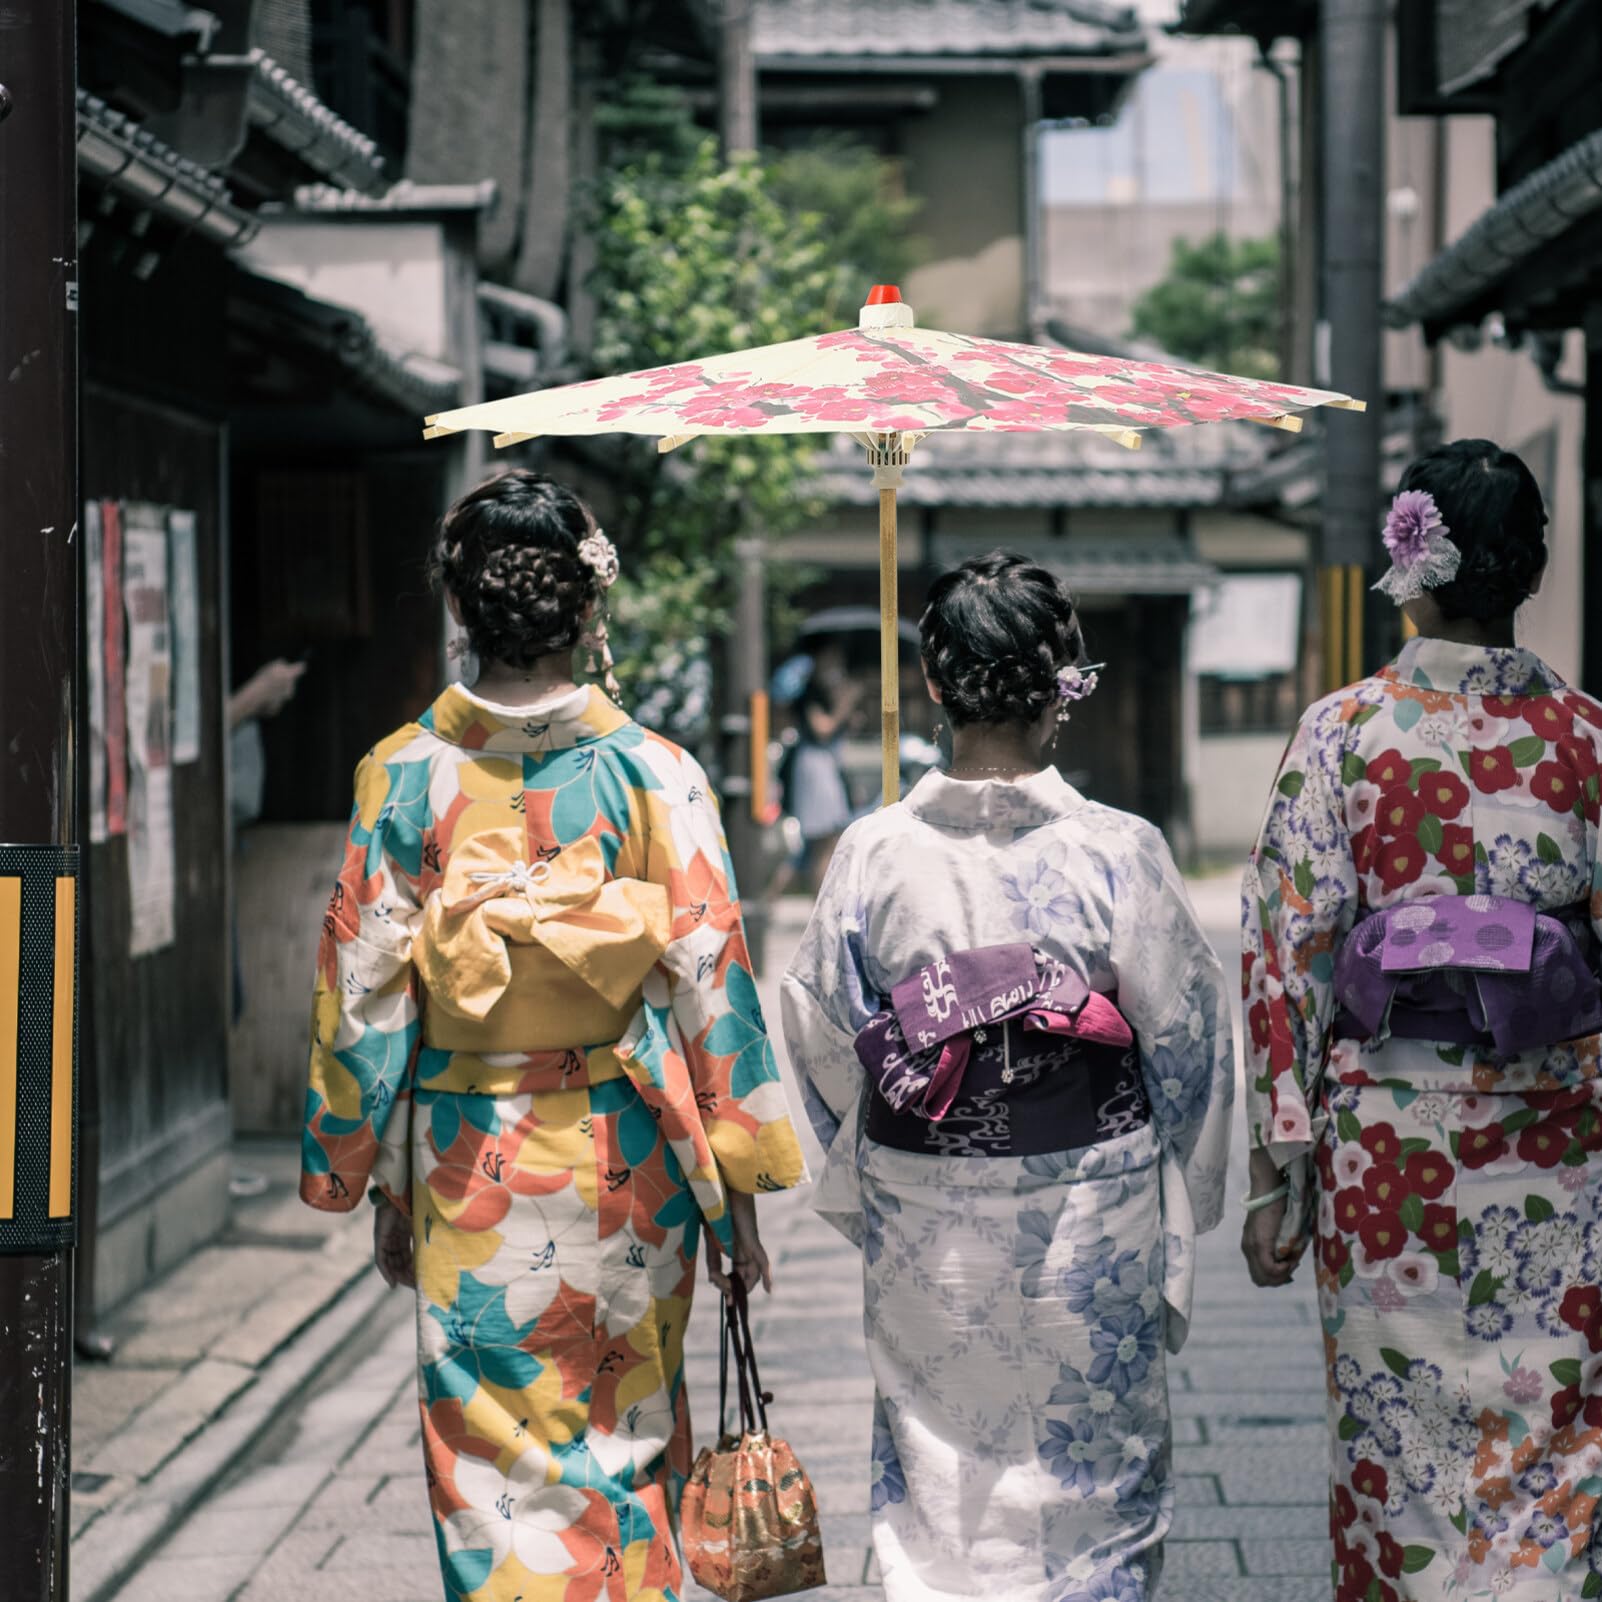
x,y
1195,152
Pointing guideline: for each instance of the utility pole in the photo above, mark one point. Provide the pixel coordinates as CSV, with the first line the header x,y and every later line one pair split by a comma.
x,y
1352,64
38,886
745,710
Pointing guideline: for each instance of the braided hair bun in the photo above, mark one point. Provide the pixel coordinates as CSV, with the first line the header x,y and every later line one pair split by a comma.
x,y
995,634
508,551
1491,506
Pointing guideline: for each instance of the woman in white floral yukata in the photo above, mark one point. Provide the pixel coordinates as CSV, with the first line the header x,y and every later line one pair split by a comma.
x,y
1014,1043
1420,958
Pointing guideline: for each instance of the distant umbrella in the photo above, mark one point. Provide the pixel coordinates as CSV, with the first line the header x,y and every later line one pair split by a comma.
x,y
790,679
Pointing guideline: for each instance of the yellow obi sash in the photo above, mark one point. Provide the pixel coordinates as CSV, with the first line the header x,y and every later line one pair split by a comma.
x,y
520,957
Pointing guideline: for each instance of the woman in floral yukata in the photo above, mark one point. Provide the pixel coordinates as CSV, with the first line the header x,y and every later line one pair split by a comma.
x,y
1420,974
1014,1043
536,1037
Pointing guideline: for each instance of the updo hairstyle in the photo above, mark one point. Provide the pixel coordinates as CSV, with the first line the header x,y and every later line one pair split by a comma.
x,y
995,634
508,552
1491,506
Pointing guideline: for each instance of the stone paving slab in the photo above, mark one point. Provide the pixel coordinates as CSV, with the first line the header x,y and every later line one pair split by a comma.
x,y
1299,1556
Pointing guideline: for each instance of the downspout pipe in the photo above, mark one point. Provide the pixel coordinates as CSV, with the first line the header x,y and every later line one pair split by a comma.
x,y
1281,74
1030,100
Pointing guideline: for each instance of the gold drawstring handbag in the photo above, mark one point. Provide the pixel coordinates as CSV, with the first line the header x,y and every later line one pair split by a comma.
x,y
749,1520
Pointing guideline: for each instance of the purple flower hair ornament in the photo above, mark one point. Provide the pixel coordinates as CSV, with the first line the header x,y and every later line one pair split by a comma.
x,y
1422,556
1074,684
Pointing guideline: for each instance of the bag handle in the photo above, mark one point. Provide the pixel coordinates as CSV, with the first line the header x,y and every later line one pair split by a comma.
x,y
737,1333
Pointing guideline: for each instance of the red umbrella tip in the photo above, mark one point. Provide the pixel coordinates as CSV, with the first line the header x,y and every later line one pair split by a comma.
x,y
884,295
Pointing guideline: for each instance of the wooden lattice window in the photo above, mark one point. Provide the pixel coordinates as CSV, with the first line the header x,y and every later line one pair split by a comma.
x,y
313,574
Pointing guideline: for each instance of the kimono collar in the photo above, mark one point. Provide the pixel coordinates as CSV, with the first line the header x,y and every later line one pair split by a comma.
x,y
463,718
1043,797
1472,669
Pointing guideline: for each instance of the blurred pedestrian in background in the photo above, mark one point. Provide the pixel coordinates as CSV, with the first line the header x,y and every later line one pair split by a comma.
x,y
537,1038
812,777
1014,1043
1421,918
263,695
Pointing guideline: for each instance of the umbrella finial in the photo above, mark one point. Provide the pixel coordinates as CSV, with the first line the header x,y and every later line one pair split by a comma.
x,y
885,309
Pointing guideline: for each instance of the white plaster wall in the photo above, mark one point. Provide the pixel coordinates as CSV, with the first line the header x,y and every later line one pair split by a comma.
x,y
393,273
1234,774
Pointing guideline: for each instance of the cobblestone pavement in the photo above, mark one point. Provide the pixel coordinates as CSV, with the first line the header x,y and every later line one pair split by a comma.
x,y
331,1501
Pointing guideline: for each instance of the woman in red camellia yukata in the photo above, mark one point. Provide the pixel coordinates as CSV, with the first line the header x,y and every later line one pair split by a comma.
x,y
1421,935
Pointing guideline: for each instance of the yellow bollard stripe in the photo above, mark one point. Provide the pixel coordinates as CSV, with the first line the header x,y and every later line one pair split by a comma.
x,y
1341,599
10,983
63,1026
1354,624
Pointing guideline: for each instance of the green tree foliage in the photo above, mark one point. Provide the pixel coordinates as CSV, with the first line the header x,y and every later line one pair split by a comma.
x,y
695,258
1219,305
861,202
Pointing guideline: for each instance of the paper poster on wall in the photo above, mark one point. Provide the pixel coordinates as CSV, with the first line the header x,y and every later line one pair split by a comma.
x,y
112,666
94,604
149,679
184,572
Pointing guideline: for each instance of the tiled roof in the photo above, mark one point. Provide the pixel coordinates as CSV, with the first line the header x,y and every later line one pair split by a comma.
x,y
1188,467
128,159
280,312
293,117
1525,222
1132,567
404,196
809,29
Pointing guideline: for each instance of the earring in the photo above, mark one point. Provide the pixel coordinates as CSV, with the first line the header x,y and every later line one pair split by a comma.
x,y
595,642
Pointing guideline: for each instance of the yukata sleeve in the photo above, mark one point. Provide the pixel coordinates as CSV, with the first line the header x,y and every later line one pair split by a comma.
x,y
1299,898
1173,991
365,1006
702,997
826,998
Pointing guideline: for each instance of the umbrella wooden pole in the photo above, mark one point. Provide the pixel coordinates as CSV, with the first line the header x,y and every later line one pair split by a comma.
x,y
889,645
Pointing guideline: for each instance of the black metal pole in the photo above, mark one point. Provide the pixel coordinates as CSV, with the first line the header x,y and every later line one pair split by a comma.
x,y
1352,62
38,655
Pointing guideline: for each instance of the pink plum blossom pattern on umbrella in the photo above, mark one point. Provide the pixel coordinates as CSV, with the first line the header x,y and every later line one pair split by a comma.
x,y
892,380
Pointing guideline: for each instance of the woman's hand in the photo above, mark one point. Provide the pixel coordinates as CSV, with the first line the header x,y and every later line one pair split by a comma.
x,y
750,1259
1259,1238
392,1244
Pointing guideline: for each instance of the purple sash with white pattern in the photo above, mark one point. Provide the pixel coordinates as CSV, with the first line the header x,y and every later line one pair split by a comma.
x,y
1468,970
918,1053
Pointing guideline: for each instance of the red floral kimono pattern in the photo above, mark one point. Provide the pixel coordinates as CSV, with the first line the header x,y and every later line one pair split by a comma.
x,y
1457,1231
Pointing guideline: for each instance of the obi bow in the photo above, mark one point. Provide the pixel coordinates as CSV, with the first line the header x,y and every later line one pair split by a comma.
x,y
608,932
1461,969
917,1052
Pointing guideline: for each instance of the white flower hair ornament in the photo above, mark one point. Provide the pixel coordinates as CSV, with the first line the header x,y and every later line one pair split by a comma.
x,y
599,555
1074,684
1422,556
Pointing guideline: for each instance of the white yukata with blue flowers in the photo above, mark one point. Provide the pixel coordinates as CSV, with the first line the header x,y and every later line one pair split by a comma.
x,y
1019,1308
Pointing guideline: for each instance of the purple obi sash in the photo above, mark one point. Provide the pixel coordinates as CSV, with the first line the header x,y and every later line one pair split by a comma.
x,y
1467,970
973,1043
